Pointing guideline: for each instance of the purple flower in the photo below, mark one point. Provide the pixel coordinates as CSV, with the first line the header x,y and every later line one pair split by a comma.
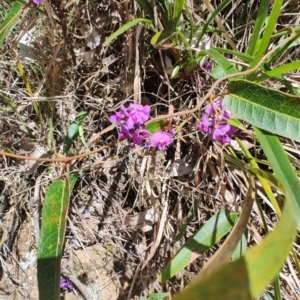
x,y
161,140
229,56
208,67
131,120
214,122
38,1
66,284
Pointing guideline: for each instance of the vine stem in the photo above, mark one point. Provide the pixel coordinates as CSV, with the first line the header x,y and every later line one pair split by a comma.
x,y
171,115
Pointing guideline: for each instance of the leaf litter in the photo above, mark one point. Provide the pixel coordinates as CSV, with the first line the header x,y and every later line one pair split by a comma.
x,y
129,205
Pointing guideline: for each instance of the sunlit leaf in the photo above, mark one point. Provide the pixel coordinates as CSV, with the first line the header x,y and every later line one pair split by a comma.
x,y
209,234
246,277
282,167
268,109
155,126
74,130
126,27
52,237
10,20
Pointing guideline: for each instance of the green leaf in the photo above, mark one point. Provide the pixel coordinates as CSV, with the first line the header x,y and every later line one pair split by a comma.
x,y
10,20
52,237
243,56
155,126
126,27
74,130
246,277
241,247
209,234
178,6
225,64
223,4
271,25
268,109
284,69
158,296
160,37
259,22
282,167
146,6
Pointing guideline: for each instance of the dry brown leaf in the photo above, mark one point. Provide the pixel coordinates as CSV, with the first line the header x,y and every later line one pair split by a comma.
x,y
143,220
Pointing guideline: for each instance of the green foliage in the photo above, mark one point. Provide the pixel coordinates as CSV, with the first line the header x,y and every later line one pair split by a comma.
x,y
210,233
246,277
155,126
74,130
52,237
268,109
10,20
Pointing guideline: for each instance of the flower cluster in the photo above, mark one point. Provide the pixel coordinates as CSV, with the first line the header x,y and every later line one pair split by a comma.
x,y
66,284
38,1
214,122
131,121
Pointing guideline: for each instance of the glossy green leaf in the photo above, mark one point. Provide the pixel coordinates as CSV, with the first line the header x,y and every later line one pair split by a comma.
x,y
10,20
209,234
52,237
126,27
268,109
245,278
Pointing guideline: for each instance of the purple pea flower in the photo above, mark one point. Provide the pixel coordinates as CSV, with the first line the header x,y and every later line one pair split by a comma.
x,y
131,121
214,122
161,140
38,1
66,284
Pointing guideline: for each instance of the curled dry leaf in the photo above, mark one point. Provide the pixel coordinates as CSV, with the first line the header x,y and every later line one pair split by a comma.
x,y
180,168
31,165
143,220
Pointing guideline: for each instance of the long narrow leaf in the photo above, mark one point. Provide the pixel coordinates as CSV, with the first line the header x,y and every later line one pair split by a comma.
x,y
259,22
178,6
281,166
146,6
284,69
10,20
211,18
272,22
211,232
246,277
126,27
52,237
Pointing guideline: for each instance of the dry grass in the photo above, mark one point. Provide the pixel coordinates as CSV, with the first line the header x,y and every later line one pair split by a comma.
x,y
119,181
